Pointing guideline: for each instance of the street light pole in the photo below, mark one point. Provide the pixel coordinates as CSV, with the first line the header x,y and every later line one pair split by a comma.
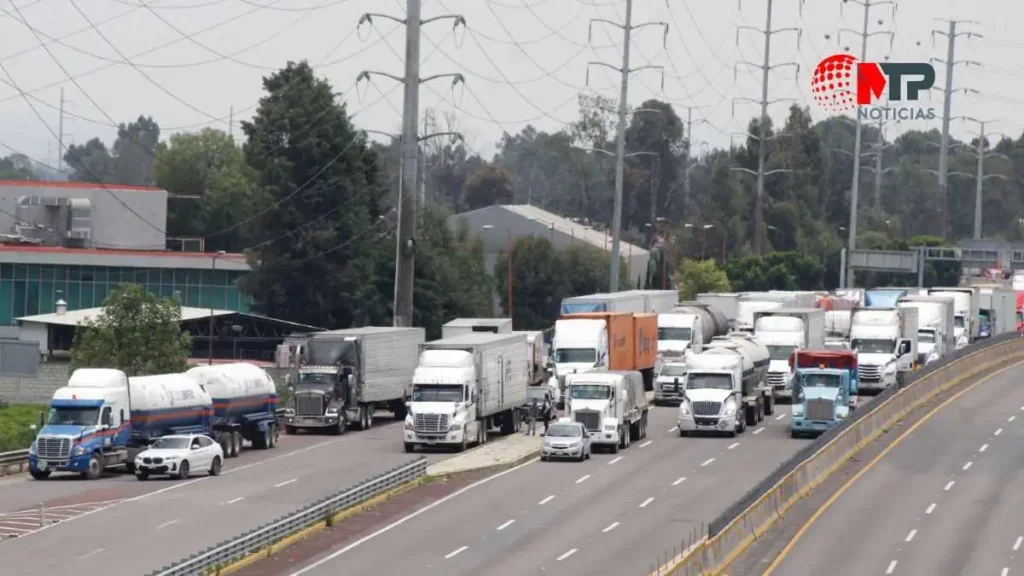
x,y
213,272
509,250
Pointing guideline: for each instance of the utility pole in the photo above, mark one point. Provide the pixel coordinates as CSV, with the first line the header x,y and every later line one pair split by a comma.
x,y
762,124
620,129
405,249
947,105
689,151
979,176
60,134
851,243
231,122
879,155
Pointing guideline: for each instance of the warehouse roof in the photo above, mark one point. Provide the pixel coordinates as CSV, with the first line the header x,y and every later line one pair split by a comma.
x,y
80,317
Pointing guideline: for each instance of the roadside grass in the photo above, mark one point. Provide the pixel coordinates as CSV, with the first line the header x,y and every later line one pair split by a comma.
x,y
15,422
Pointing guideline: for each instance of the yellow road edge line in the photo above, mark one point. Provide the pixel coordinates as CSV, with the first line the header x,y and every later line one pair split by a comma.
x,y
671,566
849,483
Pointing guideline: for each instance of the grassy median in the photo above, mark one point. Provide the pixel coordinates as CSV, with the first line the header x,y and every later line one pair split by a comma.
x,y
15,422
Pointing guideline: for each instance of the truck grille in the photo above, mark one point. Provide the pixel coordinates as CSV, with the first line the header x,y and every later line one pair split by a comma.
x,y
705,408
309,405
431,423
873,373
820,409
590,419
53,448
671,387
777,379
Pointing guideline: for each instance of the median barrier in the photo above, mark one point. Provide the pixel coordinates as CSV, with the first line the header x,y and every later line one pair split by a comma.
x,y
14,462
732,532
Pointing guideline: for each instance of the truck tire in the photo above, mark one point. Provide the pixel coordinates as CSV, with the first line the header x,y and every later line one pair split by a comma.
x,y
342,425
750,413
39,474
95,468
370,409
400,410
236,443
259,439
289,430
224,440
410,447
274,433
625,439
769,404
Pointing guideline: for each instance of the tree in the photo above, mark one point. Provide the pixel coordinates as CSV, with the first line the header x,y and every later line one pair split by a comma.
x,y
136,332
208,164
488,186
697,276
134,152
320,236
90,162
17,167
776,271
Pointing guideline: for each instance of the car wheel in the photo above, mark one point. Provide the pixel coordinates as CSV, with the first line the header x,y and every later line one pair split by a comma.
x,y
183,470
215,466
142,475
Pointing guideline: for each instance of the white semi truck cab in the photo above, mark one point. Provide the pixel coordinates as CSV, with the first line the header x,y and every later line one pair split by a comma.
x,y
782,332
580,345
678,333
885,340
966,304
612,406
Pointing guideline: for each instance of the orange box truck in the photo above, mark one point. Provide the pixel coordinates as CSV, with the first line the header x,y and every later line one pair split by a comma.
x,y
605,341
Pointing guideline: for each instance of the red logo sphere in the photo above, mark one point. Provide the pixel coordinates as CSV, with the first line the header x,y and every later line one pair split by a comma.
x,y
832,83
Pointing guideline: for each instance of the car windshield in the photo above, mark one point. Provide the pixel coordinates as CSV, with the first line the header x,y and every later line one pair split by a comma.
x,y
317,379
168,443
673,370
779,352
589,392
437,393
836,344
66,416
820,381
674,333
704,381
536,392
926,337
873,346
575,356
564,431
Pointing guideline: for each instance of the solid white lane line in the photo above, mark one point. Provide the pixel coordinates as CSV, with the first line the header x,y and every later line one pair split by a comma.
x,y
1011,418
1005,572
239,499
546,500
911,535
706,462
680,481
14,529
983,448
759,430
646,502
583,478
93,553
455,552
949,485
646,444
286,482
968,465
673,429
733,445
166,524
892,566
1016,545
610,527
781,416
930,508
506,525
614,460
998,432
566,555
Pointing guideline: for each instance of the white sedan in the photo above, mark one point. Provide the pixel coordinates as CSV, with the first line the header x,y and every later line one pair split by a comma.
x,y
179,456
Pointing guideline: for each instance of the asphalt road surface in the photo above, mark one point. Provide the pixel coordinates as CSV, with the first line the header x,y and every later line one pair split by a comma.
x,y
614,514
161,521
945,501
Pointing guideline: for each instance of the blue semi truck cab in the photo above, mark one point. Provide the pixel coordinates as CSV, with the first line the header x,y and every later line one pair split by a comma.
x,y
824,390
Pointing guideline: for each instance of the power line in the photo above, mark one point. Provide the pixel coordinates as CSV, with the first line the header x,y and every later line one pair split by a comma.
x,y
979,177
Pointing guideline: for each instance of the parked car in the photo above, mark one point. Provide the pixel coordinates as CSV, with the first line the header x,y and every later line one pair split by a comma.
x,y
179,456
566,439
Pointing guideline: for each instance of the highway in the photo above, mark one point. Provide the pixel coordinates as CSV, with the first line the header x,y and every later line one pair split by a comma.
x,y
945,500
614,514
173,519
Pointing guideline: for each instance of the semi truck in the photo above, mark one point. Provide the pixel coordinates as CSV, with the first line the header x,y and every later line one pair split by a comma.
x,y
757,301
825,390
688,327
934,326
463,387
885,340
726,302
612,406
655,301
102,419
466,325
603,341
782,332
966,303
244,404
997,312
725,389
349,374
669,383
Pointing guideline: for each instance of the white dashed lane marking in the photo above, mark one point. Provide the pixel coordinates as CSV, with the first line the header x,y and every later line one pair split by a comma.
x,y
610,527
708,461
456,552
911,535
646,502
930,509
892,566
506,525
546,500
949,485
566,555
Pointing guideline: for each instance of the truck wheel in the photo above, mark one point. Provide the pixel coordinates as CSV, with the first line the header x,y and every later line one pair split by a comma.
x,y
289,430
369,416
236,443
274,432
95,468
225,443
410,447
751,415
39,474
682,433
400,410
769,405
465,443
129,467
342,425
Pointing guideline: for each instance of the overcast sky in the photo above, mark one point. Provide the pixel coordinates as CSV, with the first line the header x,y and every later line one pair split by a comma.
x,y
525,61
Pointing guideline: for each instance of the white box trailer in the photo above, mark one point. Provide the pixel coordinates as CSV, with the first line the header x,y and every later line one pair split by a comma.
x,y
657,301
726,302
752,302
934,325
997,312
967,302
627,301
467,325
536,356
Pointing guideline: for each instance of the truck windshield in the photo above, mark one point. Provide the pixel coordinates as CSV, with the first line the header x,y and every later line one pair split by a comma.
x,y
589,392
66,416
715,381
673,370
958,321
317,379
873,346
575,355
564,431
778,352
170,444
926,337
674,333
437,393
820,381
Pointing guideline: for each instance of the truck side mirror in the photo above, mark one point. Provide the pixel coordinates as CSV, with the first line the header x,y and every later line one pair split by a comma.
x,y
351,379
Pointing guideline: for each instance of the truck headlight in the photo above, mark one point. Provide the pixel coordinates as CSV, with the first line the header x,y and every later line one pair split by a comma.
x,y
455,427
79,450
730,408
684,408
408,425
32,448
332,411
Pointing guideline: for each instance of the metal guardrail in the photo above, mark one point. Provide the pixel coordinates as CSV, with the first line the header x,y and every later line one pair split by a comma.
x,y
730,534
259,538
13,462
